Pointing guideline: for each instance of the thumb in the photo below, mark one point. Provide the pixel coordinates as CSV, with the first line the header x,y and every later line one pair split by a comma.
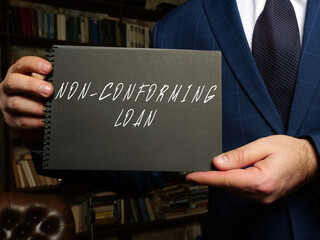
x,y
241,157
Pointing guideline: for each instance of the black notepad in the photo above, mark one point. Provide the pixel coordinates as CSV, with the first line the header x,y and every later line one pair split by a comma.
x,y
133,109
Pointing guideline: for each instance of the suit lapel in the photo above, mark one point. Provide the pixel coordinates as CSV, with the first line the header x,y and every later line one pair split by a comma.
x,y
309,74
226,25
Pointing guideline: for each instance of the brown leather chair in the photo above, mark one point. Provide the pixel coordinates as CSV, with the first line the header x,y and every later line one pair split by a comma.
x,y
35,217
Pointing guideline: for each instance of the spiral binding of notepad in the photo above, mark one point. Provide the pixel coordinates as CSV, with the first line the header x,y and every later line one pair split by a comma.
x,y
47,112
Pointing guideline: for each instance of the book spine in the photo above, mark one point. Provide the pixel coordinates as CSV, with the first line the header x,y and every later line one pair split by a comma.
x,y
47,112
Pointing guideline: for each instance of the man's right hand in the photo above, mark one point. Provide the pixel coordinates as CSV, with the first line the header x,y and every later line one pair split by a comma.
x,y
22,96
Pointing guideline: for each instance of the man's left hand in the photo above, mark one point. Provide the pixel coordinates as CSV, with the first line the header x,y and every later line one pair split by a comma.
x,y
264,170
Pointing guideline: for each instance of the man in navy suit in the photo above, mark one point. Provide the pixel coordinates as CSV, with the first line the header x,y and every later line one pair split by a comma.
x,y
266,182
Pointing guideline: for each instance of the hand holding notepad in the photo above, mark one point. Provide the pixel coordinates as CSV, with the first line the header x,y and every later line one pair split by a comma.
x,y
22,95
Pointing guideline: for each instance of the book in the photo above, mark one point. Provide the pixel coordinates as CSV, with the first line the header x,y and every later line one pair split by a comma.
x,y
27,171
17,20
50,24
141,207
150,210
24,171
84,29
34,23
40,23
122,211
34,173
23,180
76,215
80,215
133,109
24,20
16,173
22,177
103,208
134,212
194,201
61,27
94,31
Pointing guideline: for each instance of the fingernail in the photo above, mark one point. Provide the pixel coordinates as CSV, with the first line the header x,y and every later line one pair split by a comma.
x,y
44,67
45,89
222,160
190,177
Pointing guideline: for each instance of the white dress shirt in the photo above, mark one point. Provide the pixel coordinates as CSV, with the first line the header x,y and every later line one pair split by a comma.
x,y
250,10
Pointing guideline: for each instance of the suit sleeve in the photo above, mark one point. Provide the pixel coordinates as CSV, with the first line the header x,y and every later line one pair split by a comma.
x,y
315,139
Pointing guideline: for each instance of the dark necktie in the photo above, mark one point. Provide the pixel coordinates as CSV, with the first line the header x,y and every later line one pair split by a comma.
x,y
276,50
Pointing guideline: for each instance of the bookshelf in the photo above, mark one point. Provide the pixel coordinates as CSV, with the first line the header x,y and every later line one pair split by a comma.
x,y
15,44
125,226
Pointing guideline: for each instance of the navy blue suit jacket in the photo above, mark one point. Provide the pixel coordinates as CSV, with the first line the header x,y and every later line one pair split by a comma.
x,y
249,114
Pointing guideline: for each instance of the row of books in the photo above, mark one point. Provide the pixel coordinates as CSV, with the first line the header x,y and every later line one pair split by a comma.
x,y
104,209
107,208
180,199
25,174
77,26
137,33
81,216
142,210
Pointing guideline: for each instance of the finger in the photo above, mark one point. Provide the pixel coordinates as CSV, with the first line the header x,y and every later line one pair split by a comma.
x,y
24,122
235,180
19,83
249,183
244,156
22,105
245,182
31,64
